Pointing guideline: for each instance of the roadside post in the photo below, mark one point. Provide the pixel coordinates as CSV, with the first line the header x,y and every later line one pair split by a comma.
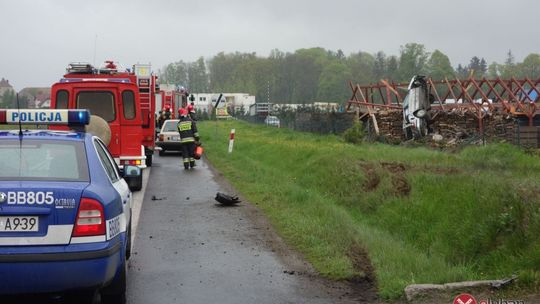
x,y
231,140
215,111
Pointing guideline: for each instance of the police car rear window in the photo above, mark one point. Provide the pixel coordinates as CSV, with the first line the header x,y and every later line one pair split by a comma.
x,y
43,160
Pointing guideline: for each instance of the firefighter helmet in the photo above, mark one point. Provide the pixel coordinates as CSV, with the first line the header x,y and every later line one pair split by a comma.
x,y
182,112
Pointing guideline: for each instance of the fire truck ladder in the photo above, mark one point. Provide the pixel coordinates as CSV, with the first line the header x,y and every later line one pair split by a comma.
x,y
518,97
144,82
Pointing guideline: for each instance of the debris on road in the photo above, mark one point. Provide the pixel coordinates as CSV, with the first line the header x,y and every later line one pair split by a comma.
x,y
227,200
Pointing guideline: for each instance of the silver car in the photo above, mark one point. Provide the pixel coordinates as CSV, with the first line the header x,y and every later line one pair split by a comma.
x,y
272,121
168,138
416,109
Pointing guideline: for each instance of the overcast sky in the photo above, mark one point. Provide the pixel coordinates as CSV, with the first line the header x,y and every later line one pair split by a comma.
x,y
40,37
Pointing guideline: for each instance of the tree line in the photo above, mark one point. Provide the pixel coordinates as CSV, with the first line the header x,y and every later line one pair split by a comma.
x,y
317,74
8,100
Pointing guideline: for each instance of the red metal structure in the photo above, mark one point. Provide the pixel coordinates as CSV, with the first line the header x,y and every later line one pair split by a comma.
x,y
515,96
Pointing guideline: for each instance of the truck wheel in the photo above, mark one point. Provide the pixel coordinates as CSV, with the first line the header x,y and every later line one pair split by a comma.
x,y
149,160
115,293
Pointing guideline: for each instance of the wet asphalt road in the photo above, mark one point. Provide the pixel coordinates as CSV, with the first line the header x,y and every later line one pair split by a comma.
x,y
187,249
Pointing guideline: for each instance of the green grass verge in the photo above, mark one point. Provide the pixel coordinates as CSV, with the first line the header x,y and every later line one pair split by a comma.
x,y
423,216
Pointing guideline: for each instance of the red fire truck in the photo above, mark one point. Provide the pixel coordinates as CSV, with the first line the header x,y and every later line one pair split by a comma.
x,y
174,97
125,100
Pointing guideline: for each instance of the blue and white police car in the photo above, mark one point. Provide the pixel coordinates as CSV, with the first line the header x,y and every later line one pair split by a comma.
x,y
65,209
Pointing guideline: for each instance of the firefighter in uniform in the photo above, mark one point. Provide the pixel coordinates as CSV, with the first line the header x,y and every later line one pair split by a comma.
x,y
165,114
191,111
188,135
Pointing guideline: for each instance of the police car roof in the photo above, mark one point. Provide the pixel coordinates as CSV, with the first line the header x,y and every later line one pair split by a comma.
x,y
44,134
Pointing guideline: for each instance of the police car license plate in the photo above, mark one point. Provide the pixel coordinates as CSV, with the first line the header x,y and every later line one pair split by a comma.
x,y
19,223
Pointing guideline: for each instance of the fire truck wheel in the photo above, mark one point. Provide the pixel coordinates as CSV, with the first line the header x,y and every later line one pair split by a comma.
x,y
100,128
149,160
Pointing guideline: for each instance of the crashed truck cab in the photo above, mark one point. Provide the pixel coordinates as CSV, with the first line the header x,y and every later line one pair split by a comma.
x,y
115,108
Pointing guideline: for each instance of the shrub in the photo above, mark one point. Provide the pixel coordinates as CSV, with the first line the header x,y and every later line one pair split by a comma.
x,y
355,134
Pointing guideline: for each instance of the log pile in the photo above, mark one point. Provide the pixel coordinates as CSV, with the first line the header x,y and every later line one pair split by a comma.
x,y
449,128
390,125
454,126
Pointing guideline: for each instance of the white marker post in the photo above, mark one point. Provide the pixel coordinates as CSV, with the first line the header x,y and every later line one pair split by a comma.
x,y
231,140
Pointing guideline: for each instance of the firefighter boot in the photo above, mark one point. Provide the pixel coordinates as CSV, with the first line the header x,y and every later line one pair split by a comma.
x,y
192,162
186,163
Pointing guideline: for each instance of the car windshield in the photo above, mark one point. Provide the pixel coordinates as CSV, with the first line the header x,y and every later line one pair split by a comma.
x,y
170,126
43,160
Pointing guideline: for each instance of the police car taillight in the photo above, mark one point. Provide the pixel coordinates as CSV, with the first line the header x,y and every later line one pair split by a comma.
x,y
90,219
45,117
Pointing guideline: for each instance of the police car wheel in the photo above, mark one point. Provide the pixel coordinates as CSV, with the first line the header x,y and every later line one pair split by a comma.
x,y
115,293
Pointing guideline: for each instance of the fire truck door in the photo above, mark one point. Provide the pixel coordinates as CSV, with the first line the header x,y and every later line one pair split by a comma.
x,y
103,103
130,124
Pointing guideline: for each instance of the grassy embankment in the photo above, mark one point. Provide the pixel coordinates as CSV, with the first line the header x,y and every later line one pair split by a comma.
x,y
423,216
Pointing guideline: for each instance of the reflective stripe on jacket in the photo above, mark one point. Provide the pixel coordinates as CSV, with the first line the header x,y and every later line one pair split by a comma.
x,y
187,129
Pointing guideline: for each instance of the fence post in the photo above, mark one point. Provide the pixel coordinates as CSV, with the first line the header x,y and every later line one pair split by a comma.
x,y
231,140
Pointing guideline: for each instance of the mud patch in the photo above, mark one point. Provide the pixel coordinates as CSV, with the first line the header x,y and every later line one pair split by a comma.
x,y
528,193
401,185
394,167
372,178
364,286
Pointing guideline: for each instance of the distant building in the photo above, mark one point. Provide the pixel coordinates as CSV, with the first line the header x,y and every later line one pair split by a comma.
x,y
5,86
232,101
37,97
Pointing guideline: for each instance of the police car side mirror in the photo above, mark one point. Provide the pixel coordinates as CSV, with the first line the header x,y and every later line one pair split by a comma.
x,y
133,177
